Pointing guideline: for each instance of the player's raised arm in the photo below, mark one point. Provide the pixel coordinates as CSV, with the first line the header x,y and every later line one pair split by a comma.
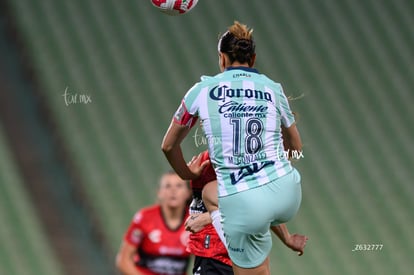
x,y
172,150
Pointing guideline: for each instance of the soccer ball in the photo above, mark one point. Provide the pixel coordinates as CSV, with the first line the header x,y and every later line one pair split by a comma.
x,y
174,7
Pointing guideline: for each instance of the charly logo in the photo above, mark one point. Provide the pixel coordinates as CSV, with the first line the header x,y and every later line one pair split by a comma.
x,y
136,235
220,93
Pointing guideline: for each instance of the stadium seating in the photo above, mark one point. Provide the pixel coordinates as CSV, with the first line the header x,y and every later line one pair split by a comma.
x,y
24,248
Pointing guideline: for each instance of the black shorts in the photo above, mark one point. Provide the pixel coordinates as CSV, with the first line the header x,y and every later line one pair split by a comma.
x,y
208,266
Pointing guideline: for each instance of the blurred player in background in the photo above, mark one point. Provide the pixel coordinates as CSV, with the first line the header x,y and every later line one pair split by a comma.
x,y
155,242
258,188
211,257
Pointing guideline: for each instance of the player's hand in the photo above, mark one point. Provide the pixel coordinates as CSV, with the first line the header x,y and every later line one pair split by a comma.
x,y
196,222
297,243
196,166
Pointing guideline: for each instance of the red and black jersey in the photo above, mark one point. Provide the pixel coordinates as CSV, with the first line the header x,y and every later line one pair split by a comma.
x,y
207,175
160,250
205,243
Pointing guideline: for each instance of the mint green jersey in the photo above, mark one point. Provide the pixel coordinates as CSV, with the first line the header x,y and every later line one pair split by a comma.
x,y
241,113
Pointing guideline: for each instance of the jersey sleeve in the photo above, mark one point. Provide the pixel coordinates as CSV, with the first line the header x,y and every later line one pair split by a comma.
x,y
287,116
183,117
187,112
134,233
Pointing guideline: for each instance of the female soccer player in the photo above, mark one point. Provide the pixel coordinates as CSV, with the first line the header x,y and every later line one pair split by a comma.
x,y
155,242
244,110
211,257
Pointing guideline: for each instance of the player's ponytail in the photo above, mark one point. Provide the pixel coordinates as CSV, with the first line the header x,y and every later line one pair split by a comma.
x,y
238,44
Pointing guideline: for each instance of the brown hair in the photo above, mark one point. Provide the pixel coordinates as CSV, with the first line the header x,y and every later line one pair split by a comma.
x,y
169,173
238,43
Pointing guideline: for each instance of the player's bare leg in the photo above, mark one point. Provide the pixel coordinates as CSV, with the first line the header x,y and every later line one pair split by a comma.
x,y
262,269
210,199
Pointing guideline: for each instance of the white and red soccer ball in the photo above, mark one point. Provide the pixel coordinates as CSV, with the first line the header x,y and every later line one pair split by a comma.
x,y
174,7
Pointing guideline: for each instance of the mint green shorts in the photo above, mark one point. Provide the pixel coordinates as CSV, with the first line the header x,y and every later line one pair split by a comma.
x,y
248,215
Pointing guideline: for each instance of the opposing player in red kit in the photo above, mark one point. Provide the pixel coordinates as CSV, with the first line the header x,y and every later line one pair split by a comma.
x,y
211,256
155,242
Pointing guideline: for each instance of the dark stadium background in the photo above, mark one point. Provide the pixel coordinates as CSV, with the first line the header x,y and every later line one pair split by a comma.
x,y
72,173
